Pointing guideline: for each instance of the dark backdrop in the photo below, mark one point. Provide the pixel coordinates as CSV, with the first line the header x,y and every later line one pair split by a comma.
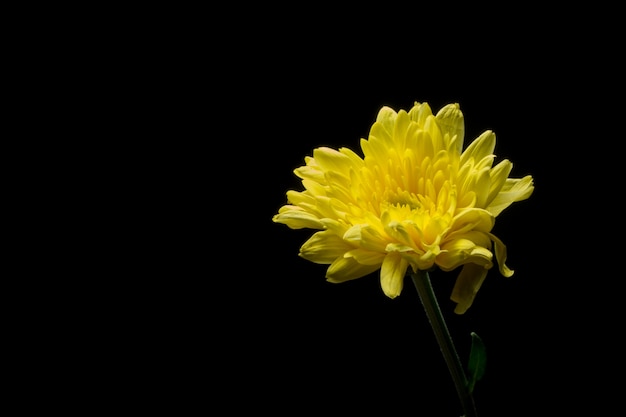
x,y
185,298
347,346
262,329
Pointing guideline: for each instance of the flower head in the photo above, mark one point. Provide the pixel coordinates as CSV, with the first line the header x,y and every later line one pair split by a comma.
x,y
415,199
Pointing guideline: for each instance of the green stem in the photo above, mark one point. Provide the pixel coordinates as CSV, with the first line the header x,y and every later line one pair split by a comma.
x,y
437,322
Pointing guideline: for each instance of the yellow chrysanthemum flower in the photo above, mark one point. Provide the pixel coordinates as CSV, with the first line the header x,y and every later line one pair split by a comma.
x,y
415,199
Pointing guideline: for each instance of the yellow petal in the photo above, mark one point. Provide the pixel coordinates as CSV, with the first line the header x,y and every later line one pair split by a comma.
x,y
366,237
472,219
376,147
324,247
366,257
498,175
420,112
297,198
467,285
481,147
345,269
392,274
512,191
500,250
314,187
331,160
357,161
398,232
386,120
400,130
310,172
296,218
482,186
462,251
450,121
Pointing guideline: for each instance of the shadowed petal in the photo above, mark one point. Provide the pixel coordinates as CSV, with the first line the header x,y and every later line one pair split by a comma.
x,y
324,247
346,269
467,285
450,120
512,191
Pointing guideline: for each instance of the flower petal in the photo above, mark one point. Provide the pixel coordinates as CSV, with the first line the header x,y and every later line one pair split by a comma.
x,y
296,218
499,175
450,121
471,219
467,285
386,119
366,257
331,160
500,250
420,112
345,269
392,274
461,251
514,189
324,247
481,147
400,130
366,237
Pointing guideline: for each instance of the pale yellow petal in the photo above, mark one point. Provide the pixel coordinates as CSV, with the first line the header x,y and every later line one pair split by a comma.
x,y
366,237
314,187
434,133
392,274
332,160
462,251
399,232
500,250
356,160
386,119
346,269
482,185
376,148
400,130
450,121
423,261
466,286
512,191
424,146
471,219
499,175
366,257
420,112
311,171
296,218
481,147
321,207
324,247
395,247
296,197
335,226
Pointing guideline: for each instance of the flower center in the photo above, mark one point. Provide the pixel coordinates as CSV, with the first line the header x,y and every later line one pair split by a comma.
x,y
405,198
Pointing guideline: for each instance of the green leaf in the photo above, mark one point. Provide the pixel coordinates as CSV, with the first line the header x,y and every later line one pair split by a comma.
x,y
477,361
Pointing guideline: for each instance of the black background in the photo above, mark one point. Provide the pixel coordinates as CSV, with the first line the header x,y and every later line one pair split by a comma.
x,y
252,326
311,345
347,347
166,286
